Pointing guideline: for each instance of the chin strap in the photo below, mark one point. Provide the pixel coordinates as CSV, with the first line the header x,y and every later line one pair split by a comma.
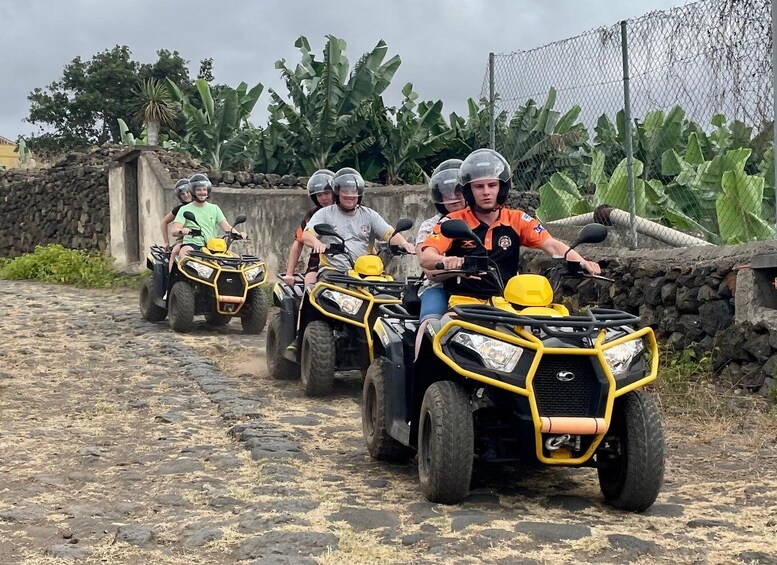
x,y
477,208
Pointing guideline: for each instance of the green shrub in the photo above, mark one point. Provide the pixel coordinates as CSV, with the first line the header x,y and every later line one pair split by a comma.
x,y
54,263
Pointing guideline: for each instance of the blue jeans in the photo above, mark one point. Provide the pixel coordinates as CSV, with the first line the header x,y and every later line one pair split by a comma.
x,y
434,302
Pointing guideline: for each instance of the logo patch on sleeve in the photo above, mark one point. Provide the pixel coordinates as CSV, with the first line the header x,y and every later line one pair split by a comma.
x,y
539,228
526,217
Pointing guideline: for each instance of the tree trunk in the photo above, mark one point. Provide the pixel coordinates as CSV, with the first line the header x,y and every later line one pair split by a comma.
x,y
152,127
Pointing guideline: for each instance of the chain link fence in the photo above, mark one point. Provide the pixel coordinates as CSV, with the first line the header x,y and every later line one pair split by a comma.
x,y
660,126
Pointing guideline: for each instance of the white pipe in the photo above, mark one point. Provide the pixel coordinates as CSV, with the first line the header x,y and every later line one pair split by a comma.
x,y
646,227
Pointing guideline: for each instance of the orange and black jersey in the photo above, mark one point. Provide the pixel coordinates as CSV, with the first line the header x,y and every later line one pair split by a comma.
x,y
314,259
502,240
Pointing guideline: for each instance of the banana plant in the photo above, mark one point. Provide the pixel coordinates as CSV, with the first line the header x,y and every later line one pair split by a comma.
x,y
327,102
540,141
219,133
408,135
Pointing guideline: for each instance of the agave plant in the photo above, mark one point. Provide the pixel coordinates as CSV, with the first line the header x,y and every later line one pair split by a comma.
x,y
156,108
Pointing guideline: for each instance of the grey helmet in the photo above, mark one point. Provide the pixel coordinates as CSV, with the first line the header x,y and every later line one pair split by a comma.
x,y
180,187
485,164
348,179
444,184
319,182
199,180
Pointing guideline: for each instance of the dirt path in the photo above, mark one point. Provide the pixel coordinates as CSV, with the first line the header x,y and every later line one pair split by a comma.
x,y
122,442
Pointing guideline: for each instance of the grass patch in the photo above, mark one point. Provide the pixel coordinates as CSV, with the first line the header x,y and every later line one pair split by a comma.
x,y
687,387
56,264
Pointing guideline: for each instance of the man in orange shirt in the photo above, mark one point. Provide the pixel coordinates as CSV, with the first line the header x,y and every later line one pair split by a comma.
x,y
485,178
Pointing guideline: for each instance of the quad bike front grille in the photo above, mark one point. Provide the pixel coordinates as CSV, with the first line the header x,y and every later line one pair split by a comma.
x,y
230,283
566,385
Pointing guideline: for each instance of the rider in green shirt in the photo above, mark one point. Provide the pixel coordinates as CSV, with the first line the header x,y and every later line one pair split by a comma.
x,y
208,216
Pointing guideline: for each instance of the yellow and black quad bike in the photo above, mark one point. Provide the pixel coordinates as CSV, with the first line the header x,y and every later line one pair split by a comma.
x,y
517,379
213,282
334,330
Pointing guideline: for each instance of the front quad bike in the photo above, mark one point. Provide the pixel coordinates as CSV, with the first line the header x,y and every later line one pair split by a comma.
x,y
331,330
517,379
218,284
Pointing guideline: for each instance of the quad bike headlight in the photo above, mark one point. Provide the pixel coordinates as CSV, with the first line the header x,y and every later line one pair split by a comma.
x,y
494,353
203,270
347,303
620,357
254,273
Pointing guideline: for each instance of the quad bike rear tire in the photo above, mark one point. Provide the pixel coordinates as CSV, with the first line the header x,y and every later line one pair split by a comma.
x,y
277,366
217,320
446,440
254,312
374,418
181,307
317,359
633,478
148,310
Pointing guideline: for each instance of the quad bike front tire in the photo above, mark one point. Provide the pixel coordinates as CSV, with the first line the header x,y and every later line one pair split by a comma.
x,y
254,314
317,359
181,307
374,418
148,310
217,320
632,478
446,440
277,366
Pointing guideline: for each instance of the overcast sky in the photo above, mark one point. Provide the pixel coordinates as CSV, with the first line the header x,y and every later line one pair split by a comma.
x,y
444,45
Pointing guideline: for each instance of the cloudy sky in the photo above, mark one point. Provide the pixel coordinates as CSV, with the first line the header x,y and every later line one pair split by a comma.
x,y
444,45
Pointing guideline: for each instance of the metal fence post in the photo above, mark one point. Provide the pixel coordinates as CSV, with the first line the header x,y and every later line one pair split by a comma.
x,y
629,148
491,103
774,104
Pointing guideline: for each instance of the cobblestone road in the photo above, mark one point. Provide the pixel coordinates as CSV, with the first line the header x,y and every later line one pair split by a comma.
x,y
122,442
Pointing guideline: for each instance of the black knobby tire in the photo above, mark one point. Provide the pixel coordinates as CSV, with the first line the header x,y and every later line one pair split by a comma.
x,y
215,319
317,359
181,307
634,478
374,418
148,310
254,315
277,366
445,443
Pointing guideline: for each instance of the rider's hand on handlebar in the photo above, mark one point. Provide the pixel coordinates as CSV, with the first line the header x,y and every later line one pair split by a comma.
x,y
592,267
289,279
319,247
450,263
409,247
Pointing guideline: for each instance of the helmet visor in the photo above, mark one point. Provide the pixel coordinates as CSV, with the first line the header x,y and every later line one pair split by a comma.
x,y
200,184
445,187
484,168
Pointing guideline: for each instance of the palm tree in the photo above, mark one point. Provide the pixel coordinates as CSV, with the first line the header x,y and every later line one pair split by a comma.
x,y
156,109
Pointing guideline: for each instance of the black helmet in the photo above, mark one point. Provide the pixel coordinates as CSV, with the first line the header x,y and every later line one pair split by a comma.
x,y
444,183
181,187
199,181
348,179
319,182
485,164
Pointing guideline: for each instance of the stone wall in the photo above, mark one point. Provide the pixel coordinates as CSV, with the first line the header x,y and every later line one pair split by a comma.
x,y
66,203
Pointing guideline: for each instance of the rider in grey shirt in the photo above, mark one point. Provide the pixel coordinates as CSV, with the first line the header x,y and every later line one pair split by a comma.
x,y
358,225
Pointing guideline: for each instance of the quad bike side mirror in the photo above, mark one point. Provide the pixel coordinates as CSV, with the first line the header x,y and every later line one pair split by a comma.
x,y
239,220
325,229
189,216
458,229
403,224
591,233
